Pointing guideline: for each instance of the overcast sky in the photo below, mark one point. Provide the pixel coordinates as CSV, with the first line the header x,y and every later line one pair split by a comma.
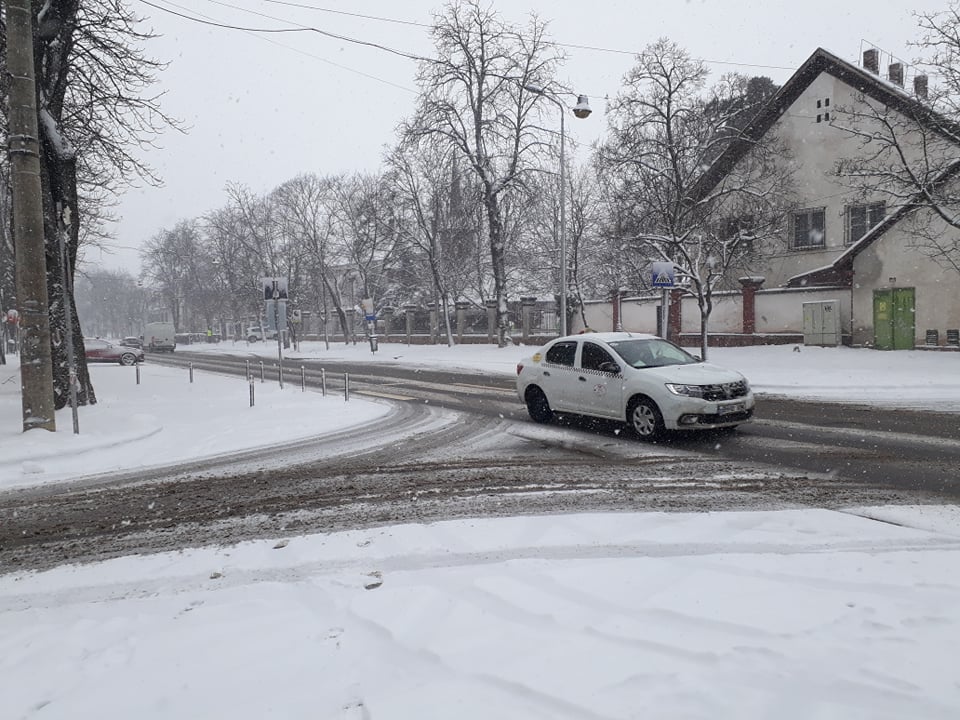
x,y
261,109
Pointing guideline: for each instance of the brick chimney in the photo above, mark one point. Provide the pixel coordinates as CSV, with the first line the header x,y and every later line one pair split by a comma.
x,y
871,61
920,86
895,74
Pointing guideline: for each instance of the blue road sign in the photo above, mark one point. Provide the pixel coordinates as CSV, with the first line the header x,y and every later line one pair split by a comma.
x,y
663,275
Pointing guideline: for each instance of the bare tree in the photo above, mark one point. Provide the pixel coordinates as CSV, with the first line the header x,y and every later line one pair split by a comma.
x,y
172,261
236,270
538,255
434,219
306,206
364,206
93,111
908,152
110,303
475,95
666,128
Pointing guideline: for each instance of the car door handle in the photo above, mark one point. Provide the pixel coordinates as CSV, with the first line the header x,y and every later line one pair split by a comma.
x,y
546,373
582,379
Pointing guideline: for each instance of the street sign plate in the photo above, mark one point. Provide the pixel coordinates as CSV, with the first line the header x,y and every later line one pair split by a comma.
x,y
663,275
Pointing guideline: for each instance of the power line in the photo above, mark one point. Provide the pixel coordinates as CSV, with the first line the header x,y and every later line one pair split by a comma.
x,y
592,48
400,53
302,6
296,28
258,33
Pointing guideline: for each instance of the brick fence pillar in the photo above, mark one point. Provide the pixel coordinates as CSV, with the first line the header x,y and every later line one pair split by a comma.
x,y
750,286
675,315
434,323
387,314
527,305
616,300
408,311
462,307
491,321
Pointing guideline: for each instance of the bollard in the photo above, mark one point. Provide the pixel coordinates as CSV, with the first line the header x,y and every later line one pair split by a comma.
x,y
280,374
191,372
323,382
303,379
138,374
346,386
247,364
252,386
261,371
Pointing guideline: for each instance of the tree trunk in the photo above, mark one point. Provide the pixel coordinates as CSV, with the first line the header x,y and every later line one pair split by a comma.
x,y
59,182
440,294
706,308
336,306
498,261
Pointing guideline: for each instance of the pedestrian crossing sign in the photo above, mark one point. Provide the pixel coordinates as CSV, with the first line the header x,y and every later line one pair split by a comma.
x,y
663,275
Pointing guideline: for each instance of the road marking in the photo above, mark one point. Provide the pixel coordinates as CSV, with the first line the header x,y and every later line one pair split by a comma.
x,y
485,388
387,396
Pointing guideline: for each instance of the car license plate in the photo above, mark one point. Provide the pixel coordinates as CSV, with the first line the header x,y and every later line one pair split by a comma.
x,y
730,409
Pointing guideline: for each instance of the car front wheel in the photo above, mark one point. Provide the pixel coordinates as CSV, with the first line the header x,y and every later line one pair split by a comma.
x,y
128,359
538,406
644,418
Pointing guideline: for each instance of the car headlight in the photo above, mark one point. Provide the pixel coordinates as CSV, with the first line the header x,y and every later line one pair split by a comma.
x,y
685,390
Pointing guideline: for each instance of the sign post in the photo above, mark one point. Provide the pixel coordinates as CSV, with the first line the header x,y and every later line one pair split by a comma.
x,y
366,304
275,299
664,275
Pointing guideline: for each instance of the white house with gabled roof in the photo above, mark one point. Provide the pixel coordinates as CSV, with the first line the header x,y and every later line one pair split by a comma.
x,y
839,240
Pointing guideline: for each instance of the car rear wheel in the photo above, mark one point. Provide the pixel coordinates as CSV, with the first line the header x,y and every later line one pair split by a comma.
x,y
128,359
644,418
538,406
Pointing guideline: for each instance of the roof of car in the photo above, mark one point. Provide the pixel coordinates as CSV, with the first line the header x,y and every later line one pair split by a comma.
x,y
613,336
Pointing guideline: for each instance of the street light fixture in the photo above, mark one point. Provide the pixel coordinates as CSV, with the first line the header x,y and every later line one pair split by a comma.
x,y
580,110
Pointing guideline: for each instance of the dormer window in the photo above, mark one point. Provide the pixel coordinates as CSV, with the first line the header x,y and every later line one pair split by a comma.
x,y
823,103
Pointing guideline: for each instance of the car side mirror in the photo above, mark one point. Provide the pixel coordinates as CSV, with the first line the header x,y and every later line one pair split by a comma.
x,y
609,367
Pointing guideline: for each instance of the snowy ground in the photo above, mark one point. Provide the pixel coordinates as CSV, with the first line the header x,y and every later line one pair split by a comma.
x,y
793,614
165,419
789,614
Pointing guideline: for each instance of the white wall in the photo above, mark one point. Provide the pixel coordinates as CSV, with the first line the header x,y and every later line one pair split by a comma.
x,y
778,310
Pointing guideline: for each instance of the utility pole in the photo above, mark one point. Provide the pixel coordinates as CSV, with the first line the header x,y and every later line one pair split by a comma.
x,y
36,365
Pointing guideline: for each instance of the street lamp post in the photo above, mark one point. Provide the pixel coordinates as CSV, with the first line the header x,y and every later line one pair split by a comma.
x,y
580,110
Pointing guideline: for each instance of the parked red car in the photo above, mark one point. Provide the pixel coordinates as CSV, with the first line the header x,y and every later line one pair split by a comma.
x,y
102,351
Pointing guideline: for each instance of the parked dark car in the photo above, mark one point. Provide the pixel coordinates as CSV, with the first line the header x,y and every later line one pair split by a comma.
x,y
133,342
102,351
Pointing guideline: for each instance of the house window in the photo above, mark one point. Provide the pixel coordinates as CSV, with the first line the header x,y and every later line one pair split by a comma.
x,y
860,218
808,229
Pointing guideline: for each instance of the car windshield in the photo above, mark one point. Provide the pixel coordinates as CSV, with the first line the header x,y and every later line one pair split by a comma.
x,y
652,352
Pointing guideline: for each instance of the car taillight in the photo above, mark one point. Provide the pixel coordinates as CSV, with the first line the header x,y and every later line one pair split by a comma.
x,y
519,368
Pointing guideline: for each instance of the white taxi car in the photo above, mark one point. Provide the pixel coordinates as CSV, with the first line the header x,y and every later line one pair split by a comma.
x,y
649,383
